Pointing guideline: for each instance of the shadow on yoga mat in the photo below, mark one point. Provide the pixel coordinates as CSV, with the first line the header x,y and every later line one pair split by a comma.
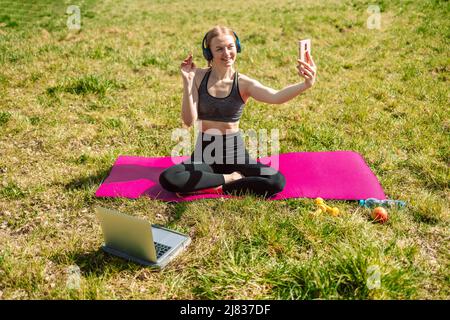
x,y
340,175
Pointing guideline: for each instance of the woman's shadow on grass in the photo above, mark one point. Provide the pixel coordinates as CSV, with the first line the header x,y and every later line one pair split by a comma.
x,y
87,182
121,175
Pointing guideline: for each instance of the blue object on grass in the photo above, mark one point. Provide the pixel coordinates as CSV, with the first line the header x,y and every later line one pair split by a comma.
x,y
388,203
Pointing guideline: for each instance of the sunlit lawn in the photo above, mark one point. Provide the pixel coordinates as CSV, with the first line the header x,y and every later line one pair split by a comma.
x,y
72,102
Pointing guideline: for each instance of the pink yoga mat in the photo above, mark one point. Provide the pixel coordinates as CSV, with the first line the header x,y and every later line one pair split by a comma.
x,y
341,175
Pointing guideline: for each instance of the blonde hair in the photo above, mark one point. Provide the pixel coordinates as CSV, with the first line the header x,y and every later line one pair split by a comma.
x,y
215,32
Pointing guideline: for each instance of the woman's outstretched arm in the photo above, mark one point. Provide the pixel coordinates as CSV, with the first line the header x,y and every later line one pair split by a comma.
x,y
268,95
265,94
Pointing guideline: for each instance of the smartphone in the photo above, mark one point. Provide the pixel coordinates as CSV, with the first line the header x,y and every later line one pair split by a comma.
x,y
303,46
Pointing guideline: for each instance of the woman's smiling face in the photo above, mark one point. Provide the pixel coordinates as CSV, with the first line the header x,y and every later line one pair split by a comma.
x,y
223,48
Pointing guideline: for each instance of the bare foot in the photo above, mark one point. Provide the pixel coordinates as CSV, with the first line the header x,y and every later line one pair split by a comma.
x,y
232,177
214,190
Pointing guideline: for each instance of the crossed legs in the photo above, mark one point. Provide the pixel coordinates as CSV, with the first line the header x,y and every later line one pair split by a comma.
x,y
254,178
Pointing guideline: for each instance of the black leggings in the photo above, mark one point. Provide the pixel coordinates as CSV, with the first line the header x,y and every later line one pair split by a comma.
x,y
205,169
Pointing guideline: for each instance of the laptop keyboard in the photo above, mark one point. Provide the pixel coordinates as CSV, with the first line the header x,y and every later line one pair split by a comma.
x,y
161,249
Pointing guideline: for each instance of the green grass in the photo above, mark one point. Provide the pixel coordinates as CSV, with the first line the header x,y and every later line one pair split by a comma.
x,y
85,85
71,102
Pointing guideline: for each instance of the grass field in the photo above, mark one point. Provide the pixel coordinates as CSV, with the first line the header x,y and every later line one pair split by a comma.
x,y
72,102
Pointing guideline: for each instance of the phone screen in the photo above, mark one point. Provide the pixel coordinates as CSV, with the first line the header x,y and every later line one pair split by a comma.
x,y
303,46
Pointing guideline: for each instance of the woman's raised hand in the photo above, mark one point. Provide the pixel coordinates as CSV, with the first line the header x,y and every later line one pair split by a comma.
x,y
307,70
188,68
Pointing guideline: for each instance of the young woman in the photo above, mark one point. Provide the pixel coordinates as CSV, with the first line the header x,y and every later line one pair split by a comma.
x,y
216,96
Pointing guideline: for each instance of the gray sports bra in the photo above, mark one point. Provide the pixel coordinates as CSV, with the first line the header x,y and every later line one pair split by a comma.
x,y
228,109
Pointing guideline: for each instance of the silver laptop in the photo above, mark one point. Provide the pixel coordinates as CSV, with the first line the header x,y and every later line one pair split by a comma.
x,y
135,239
